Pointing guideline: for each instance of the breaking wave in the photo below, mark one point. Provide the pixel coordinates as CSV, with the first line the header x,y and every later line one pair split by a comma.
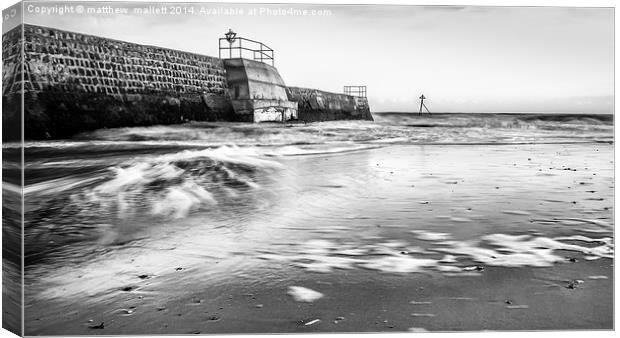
x,y
387,128
143,190
176,184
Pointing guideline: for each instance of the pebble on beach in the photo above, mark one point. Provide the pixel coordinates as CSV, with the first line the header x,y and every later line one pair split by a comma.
x,y
312,322
573,284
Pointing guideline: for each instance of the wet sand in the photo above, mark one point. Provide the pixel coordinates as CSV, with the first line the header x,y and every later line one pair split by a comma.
x,y
399,238
361,303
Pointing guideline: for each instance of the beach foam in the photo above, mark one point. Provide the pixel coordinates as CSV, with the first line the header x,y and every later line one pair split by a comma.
x,y
401,257
302,294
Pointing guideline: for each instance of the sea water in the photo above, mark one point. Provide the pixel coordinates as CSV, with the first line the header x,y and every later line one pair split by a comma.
x,y
172,208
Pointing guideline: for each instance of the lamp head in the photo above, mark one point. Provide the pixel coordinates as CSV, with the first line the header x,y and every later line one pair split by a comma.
x,y
230,36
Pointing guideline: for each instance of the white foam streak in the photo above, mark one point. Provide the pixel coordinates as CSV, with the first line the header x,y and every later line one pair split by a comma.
x,y
56,186
179,201
401,257
399,264
136,175
302,294
230,154
431,236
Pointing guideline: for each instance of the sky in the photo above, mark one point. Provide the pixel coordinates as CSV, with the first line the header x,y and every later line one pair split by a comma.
x,y
462,58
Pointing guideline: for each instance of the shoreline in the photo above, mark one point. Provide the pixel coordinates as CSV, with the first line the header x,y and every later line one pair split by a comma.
x,y
242,288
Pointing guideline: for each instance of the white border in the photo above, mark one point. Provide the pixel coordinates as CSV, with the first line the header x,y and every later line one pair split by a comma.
x,y
503,3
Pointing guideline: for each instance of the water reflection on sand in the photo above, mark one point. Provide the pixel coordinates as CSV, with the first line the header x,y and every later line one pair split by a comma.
x,y
394,209
129,231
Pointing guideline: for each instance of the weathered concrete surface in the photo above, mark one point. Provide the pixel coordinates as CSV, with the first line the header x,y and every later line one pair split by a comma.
x,y
317,105
61,114
264,110
258,92
248,79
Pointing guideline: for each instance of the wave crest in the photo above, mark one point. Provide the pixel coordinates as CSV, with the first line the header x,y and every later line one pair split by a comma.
x,y
176,184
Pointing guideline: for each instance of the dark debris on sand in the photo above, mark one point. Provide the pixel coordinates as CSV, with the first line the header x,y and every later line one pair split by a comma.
x,y
97,327
213,318
574,284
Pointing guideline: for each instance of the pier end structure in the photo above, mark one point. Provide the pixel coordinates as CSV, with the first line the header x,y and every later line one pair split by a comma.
x,y
75,82
257,92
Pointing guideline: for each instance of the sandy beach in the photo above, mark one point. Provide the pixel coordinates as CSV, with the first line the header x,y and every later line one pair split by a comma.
x,y
230,168
396,237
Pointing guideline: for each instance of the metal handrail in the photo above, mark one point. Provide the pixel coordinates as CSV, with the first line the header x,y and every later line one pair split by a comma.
x,y
359,91
261,52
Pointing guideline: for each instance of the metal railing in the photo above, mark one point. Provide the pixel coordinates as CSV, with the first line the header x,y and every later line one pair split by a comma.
x,y
241,47
359,91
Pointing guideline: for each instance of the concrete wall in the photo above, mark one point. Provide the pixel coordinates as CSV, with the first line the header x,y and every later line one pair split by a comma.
x,y
248,79
317,105
257,92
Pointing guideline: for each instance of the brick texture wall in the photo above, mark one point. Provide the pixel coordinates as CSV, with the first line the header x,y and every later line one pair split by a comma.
x,y
76,82
59,58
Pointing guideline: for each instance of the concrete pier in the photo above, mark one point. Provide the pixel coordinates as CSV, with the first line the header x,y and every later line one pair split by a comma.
x,y
75,82
257,92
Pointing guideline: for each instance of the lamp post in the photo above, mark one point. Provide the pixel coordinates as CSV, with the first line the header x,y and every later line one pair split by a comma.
x,y
230,37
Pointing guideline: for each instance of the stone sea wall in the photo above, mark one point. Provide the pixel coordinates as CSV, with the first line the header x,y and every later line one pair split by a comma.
x,y
317,105
75,82
95,64
11,83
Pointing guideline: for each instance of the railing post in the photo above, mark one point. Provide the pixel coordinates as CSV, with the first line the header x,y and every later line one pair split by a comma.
x,y
265,53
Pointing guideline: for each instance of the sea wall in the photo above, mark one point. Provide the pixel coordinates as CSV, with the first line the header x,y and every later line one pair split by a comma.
x,y
317,105
116,68
11,83
76,82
